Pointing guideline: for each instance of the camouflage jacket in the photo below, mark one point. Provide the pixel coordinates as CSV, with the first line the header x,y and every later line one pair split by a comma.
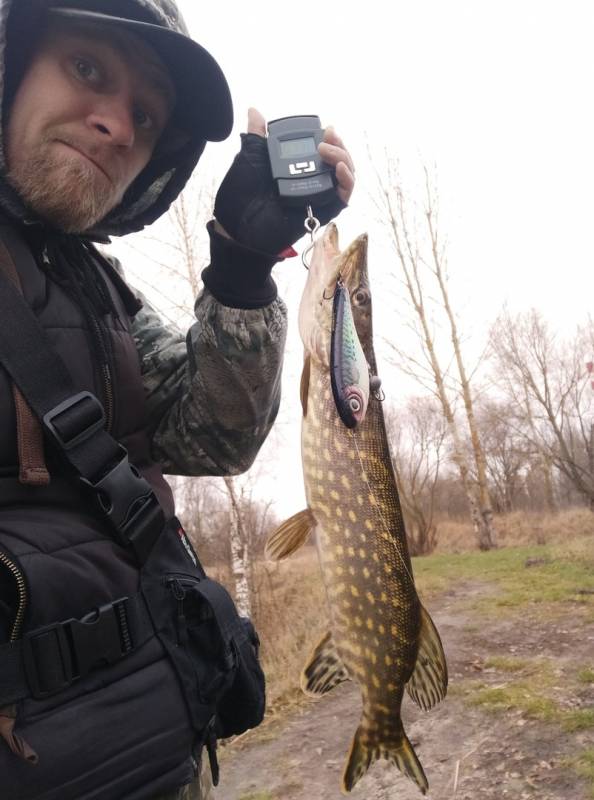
x,y
213,396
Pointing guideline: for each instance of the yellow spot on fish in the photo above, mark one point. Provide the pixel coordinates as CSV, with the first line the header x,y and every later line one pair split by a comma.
x,y
358,622
334,494
362,553
363,537
381,629
339,571
354,591
371,598
369,524
372,500
375,557
391,687
336,527
321,489
394,630
352,570
330,475
376,681
352,455
352,516
366,572
339,550
388,661
388,569
345,481
338,446
351,552
383,710
338,511
369,624
340,587
347,533
384,597
346,604
360,499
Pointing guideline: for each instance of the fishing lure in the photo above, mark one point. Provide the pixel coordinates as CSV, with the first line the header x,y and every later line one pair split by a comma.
x,y
349,372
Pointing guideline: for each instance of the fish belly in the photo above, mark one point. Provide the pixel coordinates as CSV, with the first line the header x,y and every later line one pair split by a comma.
x,y
375,611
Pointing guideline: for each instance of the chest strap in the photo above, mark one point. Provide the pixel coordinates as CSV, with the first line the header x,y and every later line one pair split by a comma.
x,y
74,422
32,469
50,659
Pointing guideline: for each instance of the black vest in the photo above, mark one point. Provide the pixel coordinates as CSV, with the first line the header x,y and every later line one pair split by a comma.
x,y
118,672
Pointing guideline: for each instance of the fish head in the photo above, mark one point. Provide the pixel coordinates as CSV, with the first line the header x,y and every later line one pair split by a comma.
x,y
328,263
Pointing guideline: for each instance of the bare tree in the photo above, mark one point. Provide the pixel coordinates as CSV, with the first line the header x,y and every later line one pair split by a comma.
x,y
547,379
421,271
417,435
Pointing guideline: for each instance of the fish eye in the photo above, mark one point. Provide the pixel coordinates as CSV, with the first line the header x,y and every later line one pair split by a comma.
x,y
361,297
354,405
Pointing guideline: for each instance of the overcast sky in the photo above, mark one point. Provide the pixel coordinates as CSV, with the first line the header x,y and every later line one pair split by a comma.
x,y
497,96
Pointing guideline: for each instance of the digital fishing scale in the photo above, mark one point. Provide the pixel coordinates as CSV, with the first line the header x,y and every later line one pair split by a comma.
x,y
301,177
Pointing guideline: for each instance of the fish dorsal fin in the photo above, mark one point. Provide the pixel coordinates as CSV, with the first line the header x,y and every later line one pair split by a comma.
x,y
304,386
429,682
290,536
324,669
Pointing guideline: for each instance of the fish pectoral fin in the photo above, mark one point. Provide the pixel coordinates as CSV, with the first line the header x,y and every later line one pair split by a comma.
x,y
324,669
290,536
304,385
429,682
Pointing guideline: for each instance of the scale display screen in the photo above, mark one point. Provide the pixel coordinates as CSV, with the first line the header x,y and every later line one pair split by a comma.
x,y
294,148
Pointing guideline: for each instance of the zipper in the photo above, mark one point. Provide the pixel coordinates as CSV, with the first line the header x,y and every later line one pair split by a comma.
x,y
22,591
179,594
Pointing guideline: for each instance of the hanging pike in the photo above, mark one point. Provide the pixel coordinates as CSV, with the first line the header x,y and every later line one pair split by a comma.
x,y
380,635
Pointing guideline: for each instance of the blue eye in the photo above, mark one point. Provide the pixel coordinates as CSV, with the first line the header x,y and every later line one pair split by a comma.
x,y
87,70
142,119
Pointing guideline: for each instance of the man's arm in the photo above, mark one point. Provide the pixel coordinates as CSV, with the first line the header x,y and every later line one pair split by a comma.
x,y
212,398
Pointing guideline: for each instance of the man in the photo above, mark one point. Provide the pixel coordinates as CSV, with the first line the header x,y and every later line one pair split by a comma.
x,y
107,106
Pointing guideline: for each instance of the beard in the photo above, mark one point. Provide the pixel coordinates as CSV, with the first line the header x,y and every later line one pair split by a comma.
x,y
67,191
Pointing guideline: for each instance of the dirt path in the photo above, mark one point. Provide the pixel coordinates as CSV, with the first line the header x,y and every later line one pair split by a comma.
x,y
466,753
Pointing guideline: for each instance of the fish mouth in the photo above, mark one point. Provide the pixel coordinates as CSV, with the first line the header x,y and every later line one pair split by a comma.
x,y
353,264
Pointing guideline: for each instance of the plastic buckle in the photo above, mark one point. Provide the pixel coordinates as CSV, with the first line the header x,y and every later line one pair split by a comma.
x,y
131,506
96,638
84,421
38,647
57,655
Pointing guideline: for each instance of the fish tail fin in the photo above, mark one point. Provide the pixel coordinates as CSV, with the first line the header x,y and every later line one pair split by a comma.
x,y
364,752
404,757
359,759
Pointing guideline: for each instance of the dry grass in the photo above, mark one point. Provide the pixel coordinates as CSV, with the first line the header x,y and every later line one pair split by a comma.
x,y
517,529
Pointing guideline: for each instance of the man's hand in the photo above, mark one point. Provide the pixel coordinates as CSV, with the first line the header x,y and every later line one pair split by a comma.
x,y
247,207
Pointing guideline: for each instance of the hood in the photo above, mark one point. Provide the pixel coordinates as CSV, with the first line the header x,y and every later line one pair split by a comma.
x,y
165,176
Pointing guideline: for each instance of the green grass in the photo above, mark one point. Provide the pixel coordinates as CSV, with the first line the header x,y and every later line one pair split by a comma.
x,y
584,766
580,720
558,576
508,663
586,675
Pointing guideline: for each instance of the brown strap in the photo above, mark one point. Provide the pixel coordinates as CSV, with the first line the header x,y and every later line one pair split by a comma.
x,y
32,468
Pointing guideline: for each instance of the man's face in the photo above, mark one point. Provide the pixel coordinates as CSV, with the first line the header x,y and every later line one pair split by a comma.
x,y
84,122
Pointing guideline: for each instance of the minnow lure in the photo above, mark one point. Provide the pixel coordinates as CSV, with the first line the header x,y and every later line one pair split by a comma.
x,y
349,372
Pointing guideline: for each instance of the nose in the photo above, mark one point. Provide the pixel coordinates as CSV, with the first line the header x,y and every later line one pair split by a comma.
x,y
112,119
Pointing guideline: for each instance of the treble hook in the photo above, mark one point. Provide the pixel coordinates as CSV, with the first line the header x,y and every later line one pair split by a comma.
x,y
339,285
312,226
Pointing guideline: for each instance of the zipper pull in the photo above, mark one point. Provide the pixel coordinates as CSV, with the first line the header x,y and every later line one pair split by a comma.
x,y
180,593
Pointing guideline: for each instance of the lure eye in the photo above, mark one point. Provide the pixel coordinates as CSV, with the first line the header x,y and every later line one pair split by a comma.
x,y
361,297
354,405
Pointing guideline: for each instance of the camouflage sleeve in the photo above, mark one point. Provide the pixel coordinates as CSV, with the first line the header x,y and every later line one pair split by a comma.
x,y
212,398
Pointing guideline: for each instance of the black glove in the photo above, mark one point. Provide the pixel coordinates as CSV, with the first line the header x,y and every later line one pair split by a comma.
x,y
248,207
